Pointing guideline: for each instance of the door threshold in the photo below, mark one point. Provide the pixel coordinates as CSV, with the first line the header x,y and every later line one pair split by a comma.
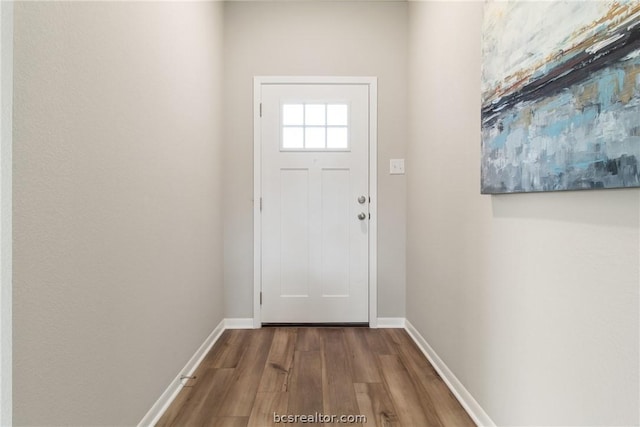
x,y
317,325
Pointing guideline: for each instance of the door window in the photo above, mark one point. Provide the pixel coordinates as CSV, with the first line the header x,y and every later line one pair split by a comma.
x,y
315,127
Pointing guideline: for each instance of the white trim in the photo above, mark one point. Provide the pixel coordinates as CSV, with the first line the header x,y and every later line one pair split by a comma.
x,y
257,193
315,80
391,322
465,398
373,206
372,82
239,323
6,274
169,395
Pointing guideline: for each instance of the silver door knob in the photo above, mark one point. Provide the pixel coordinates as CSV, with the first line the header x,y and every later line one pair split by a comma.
x,y
362,199
362,216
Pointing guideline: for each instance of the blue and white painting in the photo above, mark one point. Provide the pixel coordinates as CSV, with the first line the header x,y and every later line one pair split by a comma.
x,y
560,95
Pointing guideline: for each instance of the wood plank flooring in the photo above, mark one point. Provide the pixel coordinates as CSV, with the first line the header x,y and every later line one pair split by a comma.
x,y
251,374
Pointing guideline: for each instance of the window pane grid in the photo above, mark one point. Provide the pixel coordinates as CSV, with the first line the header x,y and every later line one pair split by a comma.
x,y
315,127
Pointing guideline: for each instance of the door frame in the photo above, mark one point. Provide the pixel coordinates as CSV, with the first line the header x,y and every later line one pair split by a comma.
x,y
372,84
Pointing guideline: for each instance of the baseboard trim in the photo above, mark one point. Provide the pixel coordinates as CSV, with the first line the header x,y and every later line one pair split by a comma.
x,y
391,322
465,398
161,405
238,323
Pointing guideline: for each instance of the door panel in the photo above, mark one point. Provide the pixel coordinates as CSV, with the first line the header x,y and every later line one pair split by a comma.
x,y
336,242
294,231
314,164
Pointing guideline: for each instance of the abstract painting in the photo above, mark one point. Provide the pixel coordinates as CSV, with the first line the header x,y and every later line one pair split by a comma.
x,y
560,95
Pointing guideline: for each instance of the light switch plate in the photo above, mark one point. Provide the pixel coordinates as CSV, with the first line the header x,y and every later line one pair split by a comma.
x,y
396,166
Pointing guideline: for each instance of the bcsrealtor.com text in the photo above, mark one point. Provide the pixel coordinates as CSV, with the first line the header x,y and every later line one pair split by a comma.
x,y
318,418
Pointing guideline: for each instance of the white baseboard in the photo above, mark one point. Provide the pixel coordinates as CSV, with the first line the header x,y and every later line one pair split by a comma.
x,y
465,398
238,323
161,405
391,322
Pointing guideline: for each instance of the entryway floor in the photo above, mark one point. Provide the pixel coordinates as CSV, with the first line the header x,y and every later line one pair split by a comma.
x,y
251,377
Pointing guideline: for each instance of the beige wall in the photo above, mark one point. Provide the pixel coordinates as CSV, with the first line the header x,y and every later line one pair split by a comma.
x,y
314,38
6,132
117,218
532,299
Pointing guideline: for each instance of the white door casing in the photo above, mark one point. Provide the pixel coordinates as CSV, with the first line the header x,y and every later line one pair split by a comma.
x,y
314,244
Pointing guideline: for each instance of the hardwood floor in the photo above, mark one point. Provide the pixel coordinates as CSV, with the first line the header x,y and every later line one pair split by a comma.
x,y
251,374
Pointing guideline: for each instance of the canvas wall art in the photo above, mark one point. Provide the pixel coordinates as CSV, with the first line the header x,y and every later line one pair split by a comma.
x,y
560,95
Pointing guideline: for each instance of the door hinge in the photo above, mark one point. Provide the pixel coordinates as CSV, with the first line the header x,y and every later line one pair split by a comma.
x,y
260,204
261,109
260,297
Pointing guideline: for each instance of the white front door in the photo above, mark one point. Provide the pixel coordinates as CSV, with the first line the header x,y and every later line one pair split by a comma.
x,y
315,203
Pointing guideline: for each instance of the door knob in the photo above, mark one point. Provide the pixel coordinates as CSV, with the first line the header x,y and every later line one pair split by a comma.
x,y
362,216
362,199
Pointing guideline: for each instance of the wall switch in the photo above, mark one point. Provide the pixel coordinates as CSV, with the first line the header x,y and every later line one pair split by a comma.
x,y
396,166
